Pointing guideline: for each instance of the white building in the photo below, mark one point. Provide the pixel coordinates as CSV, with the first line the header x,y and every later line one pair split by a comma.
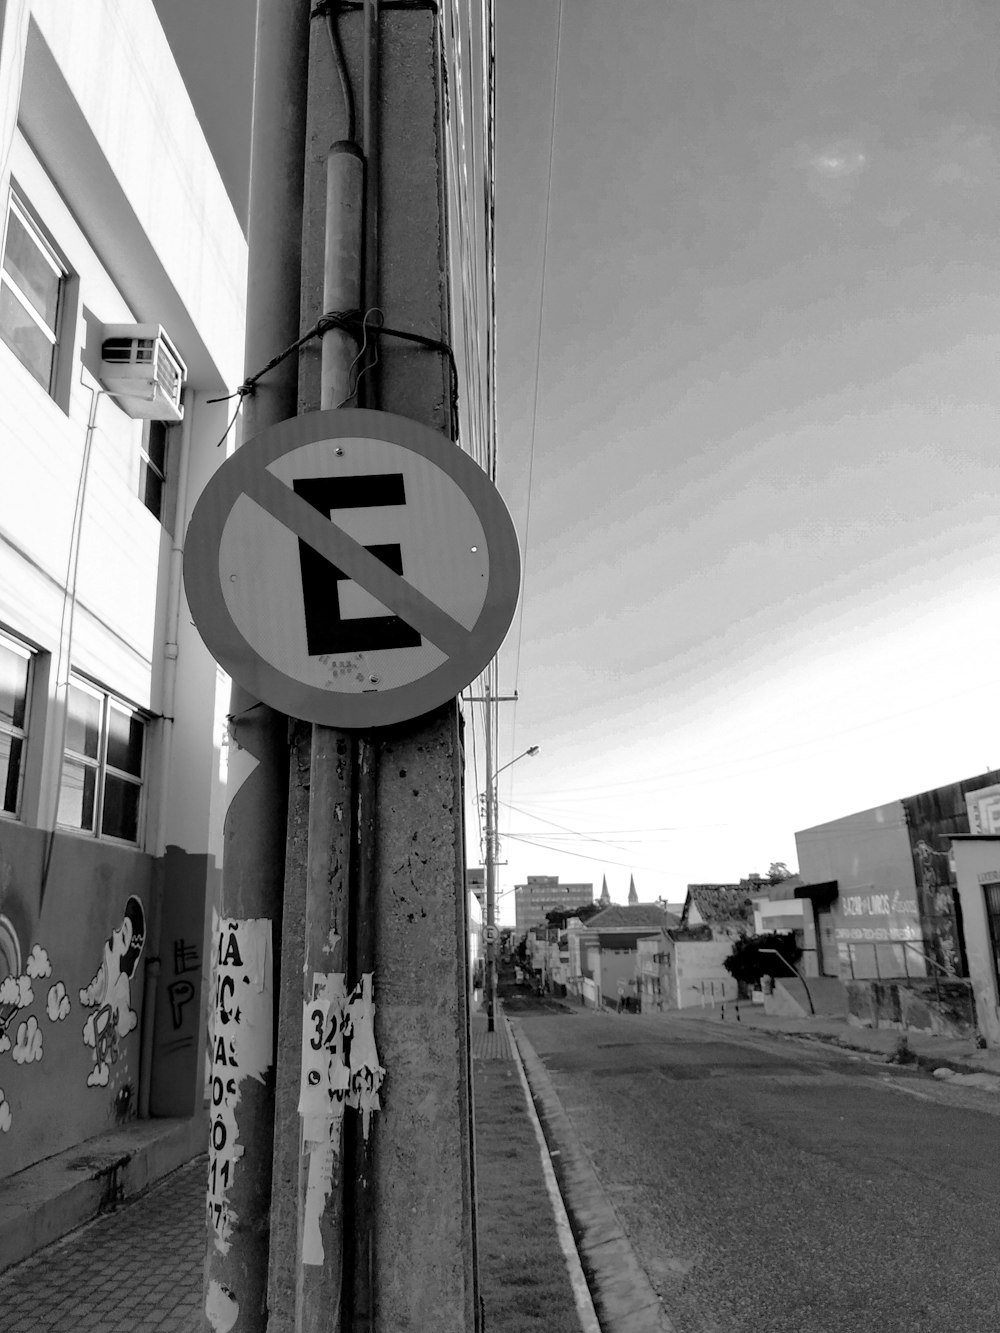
x,y
115,224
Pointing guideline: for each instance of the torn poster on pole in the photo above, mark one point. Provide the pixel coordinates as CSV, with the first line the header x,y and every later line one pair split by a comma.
x,y
241,1046
340,1067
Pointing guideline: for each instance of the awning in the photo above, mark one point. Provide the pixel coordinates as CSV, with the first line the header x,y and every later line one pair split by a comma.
x,y
820,895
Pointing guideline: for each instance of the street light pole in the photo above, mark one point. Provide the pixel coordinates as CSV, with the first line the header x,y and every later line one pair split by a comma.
x,y
491,897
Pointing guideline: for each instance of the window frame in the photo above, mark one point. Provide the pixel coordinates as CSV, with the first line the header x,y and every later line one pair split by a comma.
x,y
20,649
17,205
148,465
107,701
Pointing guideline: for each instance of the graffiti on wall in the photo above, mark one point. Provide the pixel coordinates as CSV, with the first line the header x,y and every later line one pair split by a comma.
x,y
936,888
20,1031
109,994
932,818
181,991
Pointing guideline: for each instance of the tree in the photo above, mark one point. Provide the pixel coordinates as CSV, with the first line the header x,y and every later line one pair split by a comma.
x,y
778,871
748,962
558,916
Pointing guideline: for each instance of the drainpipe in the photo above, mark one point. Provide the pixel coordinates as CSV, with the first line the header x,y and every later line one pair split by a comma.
x,y
67,620
168,696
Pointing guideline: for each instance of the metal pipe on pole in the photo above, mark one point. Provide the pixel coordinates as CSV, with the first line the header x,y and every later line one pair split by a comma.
x,y
333,789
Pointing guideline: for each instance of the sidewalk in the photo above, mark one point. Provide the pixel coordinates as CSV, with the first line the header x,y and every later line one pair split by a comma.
x,y
139,1268
525,1282
960,1056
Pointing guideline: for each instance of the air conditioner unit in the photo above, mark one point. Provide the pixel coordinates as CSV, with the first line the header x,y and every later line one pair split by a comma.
x,y
141,369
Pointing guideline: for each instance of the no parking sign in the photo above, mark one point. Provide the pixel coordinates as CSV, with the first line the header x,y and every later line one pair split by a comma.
x,y
352,568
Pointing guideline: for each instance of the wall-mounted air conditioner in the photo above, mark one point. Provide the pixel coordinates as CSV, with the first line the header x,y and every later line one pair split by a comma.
x,y
141,369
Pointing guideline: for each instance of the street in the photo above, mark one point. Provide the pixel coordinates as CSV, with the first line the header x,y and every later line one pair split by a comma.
x,y
781,1186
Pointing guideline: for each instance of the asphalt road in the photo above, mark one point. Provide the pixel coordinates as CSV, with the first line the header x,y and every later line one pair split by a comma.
x,y
770,1186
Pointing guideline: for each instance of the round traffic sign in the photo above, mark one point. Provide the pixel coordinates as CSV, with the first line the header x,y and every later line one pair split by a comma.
x,y
352,568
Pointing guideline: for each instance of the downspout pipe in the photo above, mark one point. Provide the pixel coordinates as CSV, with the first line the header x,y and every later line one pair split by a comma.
x,y
168,700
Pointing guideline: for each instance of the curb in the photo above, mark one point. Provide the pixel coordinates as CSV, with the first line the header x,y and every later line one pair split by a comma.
x,y
623,1296
46,1201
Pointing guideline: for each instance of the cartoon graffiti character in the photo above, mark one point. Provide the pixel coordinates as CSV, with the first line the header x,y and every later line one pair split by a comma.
x,y
110,993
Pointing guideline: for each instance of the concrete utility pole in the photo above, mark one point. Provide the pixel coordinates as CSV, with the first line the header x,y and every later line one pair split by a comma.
x,y
491,872
491,852
368,1229
242,1108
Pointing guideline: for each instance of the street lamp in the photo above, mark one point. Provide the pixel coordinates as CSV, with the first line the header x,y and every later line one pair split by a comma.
x,y
491,896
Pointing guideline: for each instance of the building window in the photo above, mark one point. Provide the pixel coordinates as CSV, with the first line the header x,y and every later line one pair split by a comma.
x,y
15,691
153,467
101,786
31,286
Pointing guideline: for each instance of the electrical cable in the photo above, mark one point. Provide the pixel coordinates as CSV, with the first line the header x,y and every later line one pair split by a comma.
x,y
583,837
582,856
538,342
342,74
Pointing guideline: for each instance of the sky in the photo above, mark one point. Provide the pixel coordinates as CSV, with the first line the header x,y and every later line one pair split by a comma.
x,y
747,400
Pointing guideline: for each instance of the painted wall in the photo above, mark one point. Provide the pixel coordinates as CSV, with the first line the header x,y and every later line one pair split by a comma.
x,y
977,864
698,974
616,965
105,149
71,980
876,908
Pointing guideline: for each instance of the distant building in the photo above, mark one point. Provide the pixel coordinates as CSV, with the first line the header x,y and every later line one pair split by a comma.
x,y
881,883
541,894
687,967
602,952
475,882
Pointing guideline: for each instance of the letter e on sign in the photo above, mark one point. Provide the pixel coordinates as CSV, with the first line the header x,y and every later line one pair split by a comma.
x,y
352,568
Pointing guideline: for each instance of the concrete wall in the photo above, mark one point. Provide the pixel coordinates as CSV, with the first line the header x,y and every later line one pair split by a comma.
x,y
948,1009
698,976
977,864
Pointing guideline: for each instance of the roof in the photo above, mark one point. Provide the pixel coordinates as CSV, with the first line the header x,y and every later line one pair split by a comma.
x,y
643,916
720,904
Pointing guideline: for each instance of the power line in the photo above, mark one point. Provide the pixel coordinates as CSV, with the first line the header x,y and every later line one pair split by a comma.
x,y
538,340
581,856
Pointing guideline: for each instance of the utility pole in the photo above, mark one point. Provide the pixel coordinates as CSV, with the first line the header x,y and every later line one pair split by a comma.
x,y
373,1223
491,852
491,890
341,1175
243,1074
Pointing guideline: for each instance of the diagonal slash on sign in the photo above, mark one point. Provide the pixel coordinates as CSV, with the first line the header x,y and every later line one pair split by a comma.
x,y
337,546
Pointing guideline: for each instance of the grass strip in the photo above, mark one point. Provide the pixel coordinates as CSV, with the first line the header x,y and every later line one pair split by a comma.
x,y
522,1269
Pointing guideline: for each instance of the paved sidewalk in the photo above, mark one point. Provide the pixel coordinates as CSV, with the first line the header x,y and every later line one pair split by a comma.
x,y
135,1269
139,1268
